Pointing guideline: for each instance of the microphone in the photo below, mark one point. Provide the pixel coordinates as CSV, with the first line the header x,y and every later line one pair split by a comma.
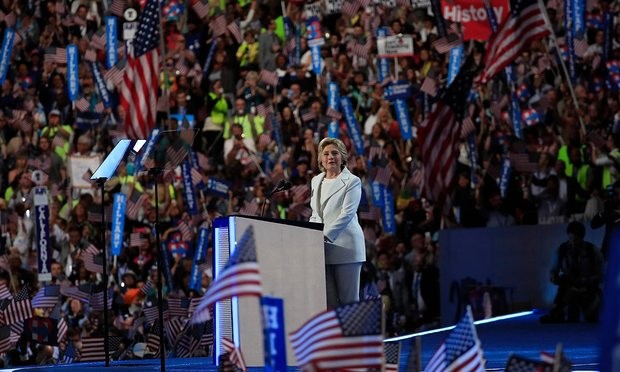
x,y
283,185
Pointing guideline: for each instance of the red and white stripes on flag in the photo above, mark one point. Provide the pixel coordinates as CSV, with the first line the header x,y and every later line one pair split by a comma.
x,y
55,55
90,55
333,113
19,309
581,46
97,40
525,25
138,94
429,86
240,277
350,7
116,73
218,25
4,292
235,31
468,127
234,354
444,44
268,77
201,9
117,7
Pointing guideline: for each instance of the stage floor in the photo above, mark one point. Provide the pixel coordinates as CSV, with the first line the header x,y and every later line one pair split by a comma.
x,y
524,336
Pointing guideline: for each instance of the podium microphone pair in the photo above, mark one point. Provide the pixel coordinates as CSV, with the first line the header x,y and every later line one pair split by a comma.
x,y
283,185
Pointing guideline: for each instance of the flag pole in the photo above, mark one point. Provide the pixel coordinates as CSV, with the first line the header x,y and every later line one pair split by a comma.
x,y
543,11
162,63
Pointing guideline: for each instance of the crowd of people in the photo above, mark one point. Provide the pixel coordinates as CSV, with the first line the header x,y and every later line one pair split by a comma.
x,y
252,132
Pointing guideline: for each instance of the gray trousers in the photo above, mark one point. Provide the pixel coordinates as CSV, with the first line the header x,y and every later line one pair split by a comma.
x,y
342,282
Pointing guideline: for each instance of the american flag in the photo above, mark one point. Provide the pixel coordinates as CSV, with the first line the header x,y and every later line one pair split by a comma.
x,y
468,127
350,8
250,208
96,300
175,155
461,351
97,40
240,277
16,331
134,203
174,327
308,115
178,306
55,55
391,351
524,25
268,77
207,337
117,7
8,18
151,312
181,67
81,292
371,214
346,337
116,73
218,25
518,363
144,290
440,133
136,239
47,296
93,260
521,163
264,110
5,340
90,55
581,46
333,113
153,341
201,9
139,91
82,105
4,292
92,348
429,86
443,45
18,309
235,31
69,355
234,353
383,175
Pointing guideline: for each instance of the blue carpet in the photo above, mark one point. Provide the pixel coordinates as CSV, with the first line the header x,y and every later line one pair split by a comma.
x,y
524,336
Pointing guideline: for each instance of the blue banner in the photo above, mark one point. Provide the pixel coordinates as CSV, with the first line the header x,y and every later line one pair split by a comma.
x,y
146,151
455,62
352,124
609,35
579,18
609,336
397,90
402,115
200,253
274,334
383,64
100,84
516,116
5,54
218,187
111,41
332,129
73,82
389,222
377,193
207,65
504,177
42,233
333,95
118,223
188,187
473,156
570,39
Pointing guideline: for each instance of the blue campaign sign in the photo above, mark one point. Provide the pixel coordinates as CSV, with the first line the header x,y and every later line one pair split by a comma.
x,y
118,223
398,90
5,52
218,187
42,233
111,53
274,334
72,72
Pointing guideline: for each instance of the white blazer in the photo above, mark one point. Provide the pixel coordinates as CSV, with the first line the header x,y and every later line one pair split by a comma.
x,y
338,213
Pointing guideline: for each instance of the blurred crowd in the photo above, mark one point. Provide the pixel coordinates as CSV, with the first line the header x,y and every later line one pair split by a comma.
x,y
252,133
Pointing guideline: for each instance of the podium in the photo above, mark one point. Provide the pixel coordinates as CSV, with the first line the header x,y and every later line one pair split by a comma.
x,y
291,259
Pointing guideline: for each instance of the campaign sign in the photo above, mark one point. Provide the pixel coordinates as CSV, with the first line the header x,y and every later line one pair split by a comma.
x,y
72,72
118,223
42,232
473,16
395,46
398,90
274,335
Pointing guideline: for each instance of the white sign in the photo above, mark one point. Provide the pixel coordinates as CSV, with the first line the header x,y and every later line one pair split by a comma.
x,y
395,46
78,166
130,14
129,30
420,3
316,42
313,10
333,6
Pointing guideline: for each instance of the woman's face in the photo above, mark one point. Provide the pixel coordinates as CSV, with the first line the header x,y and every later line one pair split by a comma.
x,y
331,159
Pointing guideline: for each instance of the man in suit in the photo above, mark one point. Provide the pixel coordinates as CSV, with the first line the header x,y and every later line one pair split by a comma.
x,y
336,195
423,284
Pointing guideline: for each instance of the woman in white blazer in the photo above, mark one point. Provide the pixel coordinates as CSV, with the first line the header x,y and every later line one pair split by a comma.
x,y
336,194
